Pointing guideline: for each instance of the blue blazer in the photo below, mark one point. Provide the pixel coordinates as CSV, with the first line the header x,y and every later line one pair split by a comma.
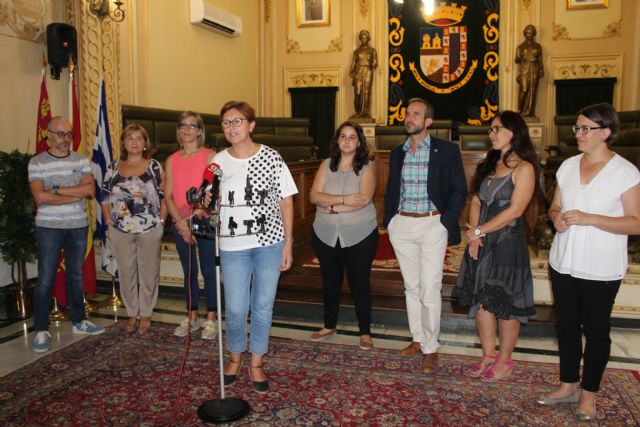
x,y
446,184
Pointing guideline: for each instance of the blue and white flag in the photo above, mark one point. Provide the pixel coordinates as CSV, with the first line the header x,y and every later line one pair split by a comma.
x,y
100,160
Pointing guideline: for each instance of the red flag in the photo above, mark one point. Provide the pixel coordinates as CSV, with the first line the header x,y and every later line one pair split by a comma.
x,y
89,264
44,116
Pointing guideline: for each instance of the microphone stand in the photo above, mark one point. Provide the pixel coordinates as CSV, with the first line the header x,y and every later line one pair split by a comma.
x,y
225,409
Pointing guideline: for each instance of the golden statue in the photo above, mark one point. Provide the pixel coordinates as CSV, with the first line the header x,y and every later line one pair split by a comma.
x,y
529,60
365,61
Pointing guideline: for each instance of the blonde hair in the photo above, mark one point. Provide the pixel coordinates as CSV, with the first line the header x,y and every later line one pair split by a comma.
x,y
200,122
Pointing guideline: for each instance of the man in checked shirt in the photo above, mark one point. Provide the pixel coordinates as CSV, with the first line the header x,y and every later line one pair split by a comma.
x,y
425,193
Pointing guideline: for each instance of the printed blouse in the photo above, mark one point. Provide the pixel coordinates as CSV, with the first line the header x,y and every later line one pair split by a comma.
x,y
134,200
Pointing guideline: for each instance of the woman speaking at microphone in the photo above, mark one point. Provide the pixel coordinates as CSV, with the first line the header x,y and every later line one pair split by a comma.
x,y
184,170
256,226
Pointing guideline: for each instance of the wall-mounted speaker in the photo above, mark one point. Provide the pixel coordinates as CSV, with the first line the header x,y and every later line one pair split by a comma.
x,y
61,45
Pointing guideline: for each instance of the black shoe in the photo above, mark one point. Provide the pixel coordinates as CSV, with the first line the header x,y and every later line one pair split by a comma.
x,y
230,379
261,387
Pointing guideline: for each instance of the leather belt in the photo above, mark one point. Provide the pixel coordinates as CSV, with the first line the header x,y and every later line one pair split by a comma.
x,y
419,215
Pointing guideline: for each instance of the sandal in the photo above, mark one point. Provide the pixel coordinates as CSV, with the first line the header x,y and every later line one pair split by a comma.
x,y
478,369
489,376
130,326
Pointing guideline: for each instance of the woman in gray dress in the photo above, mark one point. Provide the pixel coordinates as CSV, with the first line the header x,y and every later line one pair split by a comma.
x,y
495,276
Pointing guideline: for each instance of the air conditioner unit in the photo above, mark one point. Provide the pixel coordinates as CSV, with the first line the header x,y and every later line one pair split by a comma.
x,y
215,19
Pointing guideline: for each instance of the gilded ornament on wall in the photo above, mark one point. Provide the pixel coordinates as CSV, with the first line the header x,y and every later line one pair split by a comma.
x,y
335,45
24,19
293,46
364,8
560,32
613,30
585,71
313,79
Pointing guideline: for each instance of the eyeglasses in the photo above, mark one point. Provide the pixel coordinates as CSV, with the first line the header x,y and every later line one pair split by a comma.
x,y
235,122
62,134
494,129
584,129
350,138
185,126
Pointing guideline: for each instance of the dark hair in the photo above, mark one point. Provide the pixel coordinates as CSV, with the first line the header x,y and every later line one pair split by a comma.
x,y
198,118
243,107
429,112
604,115
361,157
520,144
135,127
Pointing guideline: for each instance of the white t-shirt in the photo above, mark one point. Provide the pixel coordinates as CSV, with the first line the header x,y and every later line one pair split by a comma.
x,y
584,251
251,190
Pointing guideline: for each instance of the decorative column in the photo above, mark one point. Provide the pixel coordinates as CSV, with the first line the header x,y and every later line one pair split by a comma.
x,y
98,54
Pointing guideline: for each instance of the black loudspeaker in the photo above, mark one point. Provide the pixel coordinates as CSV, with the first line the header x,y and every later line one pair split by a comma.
x,y
61,45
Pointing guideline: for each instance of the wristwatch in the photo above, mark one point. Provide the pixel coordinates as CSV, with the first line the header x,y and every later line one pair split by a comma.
x,y
477,232
55,188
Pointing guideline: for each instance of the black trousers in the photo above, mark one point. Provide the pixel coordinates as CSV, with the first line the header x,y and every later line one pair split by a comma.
x,y
583,306
356,261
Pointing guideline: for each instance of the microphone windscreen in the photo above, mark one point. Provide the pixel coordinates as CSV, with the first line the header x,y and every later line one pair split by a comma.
x,y
209,173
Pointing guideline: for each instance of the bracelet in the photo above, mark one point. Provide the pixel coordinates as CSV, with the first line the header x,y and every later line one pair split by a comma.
x,y
332,210
343,200
288,239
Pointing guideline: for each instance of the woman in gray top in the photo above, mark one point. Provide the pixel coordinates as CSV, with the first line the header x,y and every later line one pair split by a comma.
x,y
345,231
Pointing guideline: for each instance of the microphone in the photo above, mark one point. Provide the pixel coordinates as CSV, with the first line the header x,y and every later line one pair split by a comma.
x,y
210,178
212,175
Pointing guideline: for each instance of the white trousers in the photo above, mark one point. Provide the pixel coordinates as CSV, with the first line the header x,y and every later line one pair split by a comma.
x,y
420,245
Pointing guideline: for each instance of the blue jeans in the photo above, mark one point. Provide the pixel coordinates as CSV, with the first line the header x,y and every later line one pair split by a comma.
x,y
50,242
207,253
240,295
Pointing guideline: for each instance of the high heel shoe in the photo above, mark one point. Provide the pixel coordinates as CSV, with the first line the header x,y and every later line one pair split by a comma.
x,y
261,387
229,379
545,399
477,370
489,376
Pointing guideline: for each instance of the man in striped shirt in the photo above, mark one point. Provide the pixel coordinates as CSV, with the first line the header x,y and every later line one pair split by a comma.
x,y
60,181
425,193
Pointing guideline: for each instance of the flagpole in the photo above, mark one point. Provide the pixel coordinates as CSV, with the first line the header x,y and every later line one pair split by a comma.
x,y
113,302
56,314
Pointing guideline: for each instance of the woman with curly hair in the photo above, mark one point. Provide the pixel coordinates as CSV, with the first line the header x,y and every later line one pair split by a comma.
x,y
345,231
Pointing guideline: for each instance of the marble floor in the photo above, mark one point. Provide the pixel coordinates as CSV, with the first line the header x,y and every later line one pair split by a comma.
x,y
16,338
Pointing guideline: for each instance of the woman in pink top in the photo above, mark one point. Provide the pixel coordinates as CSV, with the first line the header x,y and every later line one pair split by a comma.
x,y
184,170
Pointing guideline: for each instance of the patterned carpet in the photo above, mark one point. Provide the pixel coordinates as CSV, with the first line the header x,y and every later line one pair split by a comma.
x,y
125,379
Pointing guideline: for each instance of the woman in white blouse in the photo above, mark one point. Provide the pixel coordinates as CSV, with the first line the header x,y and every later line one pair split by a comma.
x,y
595,207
